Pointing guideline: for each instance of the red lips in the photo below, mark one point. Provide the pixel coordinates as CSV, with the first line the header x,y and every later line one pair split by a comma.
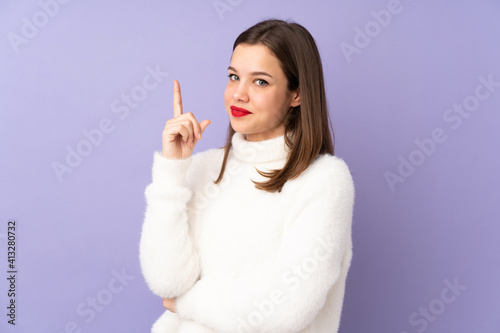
x,y
239,112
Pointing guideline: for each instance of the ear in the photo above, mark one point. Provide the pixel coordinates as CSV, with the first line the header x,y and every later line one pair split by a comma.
x,y
295,98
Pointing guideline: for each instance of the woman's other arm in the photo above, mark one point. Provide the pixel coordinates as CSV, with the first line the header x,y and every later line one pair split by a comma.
x,y
318,237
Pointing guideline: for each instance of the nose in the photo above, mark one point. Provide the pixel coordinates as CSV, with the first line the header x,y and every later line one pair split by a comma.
x,y
240,92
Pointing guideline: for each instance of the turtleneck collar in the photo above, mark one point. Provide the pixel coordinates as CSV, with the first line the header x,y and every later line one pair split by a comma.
x,y
271,150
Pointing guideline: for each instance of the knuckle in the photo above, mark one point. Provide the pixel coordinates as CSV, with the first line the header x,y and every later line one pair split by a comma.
x,y
191,115
187,123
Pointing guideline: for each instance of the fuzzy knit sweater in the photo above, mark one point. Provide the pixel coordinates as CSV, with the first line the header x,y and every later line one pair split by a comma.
x,y
239,259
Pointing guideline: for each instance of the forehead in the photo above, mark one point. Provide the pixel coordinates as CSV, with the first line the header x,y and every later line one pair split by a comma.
x,y
250,58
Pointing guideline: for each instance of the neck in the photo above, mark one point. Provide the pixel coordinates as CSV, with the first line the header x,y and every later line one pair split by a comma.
x,y
262,151
279,131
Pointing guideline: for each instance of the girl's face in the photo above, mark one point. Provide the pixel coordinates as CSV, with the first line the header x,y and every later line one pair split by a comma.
x,y
257,97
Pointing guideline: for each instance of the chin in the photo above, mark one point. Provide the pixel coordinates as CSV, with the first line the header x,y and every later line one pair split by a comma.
x,y
240,129
238,126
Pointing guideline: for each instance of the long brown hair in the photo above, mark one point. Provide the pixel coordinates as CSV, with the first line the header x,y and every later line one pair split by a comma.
x,y
309,122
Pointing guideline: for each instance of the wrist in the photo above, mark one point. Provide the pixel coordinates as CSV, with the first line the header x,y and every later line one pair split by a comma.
x,y
169,170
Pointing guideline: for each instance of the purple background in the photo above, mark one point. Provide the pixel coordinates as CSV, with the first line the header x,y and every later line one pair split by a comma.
x,y
75,233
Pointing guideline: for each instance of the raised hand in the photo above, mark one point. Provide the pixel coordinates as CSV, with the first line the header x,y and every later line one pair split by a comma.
x,y
182,132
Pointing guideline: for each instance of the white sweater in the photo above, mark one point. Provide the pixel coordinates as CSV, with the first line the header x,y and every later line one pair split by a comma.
x,y
240,259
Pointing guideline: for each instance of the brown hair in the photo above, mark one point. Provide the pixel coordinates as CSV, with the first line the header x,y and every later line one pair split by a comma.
x,y
309,122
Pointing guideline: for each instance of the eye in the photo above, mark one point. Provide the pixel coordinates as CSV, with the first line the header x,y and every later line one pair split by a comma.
x,y
233,77
261,82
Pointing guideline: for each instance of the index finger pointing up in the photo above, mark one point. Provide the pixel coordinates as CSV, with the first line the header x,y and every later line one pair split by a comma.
x,y
177,99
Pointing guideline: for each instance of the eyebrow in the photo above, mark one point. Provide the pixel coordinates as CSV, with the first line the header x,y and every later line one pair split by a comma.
x,y
253,73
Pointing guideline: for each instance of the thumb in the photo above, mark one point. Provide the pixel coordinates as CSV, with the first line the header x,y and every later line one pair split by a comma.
x,y
204,125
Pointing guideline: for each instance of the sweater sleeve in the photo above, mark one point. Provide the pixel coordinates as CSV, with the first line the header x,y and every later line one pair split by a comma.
x,y
168,256
287,291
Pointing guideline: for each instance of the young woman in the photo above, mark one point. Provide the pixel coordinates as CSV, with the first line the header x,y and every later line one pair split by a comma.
x,y
255,237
